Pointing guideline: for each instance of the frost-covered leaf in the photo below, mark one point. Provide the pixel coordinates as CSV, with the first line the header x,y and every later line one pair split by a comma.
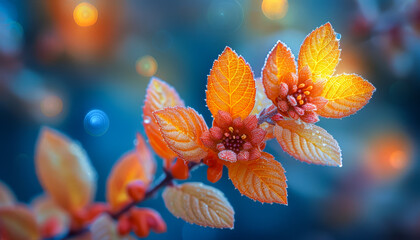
x,y
181,128
159,95
231,86
199,204
346,94
262,179
320,52
308,143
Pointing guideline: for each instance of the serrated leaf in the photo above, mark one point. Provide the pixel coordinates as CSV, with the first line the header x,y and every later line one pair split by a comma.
x,y
279,61
308,143
199,204
230,86
320,51
346,94
181,129
64,170
159,95
7,198
128,168
262,179
18,223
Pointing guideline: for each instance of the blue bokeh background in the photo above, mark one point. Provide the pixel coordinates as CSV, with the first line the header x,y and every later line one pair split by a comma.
x,y
41,55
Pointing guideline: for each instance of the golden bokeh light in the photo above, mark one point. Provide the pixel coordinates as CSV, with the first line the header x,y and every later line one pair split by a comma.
x,y
85,14
146,66
51,105
388,156
274,9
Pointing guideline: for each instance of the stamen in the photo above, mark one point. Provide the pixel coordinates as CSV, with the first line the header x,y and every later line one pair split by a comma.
x,y
299,97
301,102
243,136
231,129
306,93
309,88
302,85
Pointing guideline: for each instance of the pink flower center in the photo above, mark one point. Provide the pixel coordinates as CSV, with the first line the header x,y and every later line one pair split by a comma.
x,y
301,94
233,140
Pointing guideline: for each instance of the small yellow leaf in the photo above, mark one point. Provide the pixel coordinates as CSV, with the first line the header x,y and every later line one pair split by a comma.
x,y
64,170
18,223
262,179
159,95
199,204
346,94
127,169
261,100
181,128
231,86
320,51
308,143
279,62
7,198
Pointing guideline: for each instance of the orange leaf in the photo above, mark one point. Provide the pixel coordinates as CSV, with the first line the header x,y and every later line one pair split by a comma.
x,y
279,61
346,94
64,170
231,86
146,157
320,51
181,128
159,95
7,197
308,143
52,219
261,100
127,169
199,204
18,223
262,179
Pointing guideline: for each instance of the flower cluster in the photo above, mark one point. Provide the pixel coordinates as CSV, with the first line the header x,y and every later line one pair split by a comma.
x,y
284,104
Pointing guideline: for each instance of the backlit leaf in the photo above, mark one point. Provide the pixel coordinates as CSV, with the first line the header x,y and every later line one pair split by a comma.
x,y
261,100
231,86
308,143
346,94
320,51
181,128
279,61
64,170
146,157
199,204
18,223
7,197
262,179
128,168
159,95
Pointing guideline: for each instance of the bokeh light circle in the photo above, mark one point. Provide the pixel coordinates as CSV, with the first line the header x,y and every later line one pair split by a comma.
x,y
96,123
225,15
85,14
51,105
274,9
146,66
388,156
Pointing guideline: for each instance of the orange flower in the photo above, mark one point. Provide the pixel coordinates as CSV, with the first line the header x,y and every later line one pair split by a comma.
x,y
313,90
235,140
